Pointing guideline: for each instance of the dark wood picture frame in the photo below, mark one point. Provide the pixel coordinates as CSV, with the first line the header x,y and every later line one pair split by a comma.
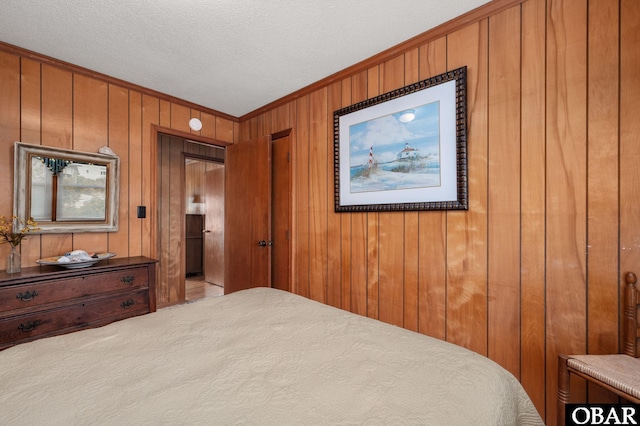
x,y
432,177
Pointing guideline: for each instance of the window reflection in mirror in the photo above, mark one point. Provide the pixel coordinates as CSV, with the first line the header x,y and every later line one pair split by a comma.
x,y
65,190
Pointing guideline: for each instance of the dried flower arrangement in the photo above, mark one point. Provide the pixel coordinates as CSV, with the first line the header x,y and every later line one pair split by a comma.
x,y
9,235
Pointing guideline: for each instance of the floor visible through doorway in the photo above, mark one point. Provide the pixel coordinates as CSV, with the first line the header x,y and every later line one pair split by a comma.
x,y
197,288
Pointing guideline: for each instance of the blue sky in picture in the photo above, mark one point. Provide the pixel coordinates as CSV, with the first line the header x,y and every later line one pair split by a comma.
x,y
386,137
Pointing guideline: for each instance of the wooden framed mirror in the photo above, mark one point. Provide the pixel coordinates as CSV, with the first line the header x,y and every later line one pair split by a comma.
x,y
66,191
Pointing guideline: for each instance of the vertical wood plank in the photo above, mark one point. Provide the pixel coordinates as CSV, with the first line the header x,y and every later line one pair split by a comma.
x,y
57,131
165,113
602,176
359,224
250,129
372,239
180,116
264,123
57,107
318,165
278,117
566,186
150,115
281,118
136,234
629,137
504,200
176,221
9,133
411,220
30,109
90,111
30,129
119,143
391,231
293,237
346,235
257,126
602,183
90,133
163,289
410,273
208,125
245,133
301,176
235,132
334,238
467,231
532,244
432,225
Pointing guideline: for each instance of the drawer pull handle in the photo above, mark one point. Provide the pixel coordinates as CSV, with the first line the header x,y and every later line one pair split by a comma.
x,y
28,296
129,279
127,304
30,326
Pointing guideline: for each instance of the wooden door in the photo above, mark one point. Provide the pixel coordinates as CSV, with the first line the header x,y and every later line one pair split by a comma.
x,y
214,226
281,213
247,235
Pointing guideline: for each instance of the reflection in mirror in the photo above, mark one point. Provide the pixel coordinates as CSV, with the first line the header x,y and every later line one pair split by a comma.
x,y
66,191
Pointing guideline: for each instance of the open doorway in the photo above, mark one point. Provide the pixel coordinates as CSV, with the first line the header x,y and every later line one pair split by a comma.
x,y
174,201
181,186
204,227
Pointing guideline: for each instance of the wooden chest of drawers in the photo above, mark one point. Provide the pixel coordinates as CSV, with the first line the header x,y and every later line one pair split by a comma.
x,y
48,300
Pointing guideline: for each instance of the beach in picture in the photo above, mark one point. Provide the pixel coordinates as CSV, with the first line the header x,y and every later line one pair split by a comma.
x,y
396,151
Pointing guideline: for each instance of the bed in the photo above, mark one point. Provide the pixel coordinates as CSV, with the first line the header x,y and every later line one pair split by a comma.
x,y
259,356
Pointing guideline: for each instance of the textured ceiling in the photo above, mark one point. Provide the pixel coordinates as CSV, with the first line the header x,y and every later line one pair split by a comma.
x,y
233,56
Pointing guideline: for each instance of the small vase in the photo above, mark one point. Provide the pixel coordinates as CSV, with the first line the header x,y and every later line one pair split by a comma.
x,y
13,261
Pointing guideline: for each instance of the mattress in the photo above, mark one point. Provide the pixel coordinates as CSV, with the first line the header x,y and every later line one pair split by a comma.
x,y
255,357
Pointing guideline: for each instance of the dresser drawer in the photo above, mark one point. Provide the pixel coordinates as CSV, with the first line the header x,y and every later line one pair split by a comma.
x,y
73,317
44,301
27,295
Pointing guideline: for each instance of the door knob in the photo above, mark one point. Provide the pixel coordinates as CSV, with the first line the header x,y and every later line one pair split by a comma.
x,y
205,231
262,243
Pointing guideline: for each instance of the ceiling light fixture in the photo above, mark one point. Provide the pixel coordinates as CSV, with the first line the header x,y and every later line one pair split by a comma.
x,y
407,116
195,124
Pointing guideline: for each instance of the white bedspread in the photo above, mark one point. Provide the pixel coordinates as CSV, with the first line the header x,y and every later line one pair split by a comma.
x,y
255,357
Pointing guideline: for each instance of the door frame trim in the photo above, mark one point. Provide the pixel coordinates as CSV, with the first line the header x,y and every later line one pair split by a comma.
x,y
292,234
281,134
154,197
156,130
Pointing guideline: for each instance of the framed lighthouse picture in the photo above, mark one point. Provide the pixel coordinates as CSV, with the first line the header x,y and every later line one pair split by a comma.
x,y
404,150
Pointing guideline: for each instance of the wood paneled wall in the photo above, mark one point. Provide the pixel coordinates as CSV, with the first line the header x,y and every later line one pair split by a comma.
x,y
46,102
534,267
